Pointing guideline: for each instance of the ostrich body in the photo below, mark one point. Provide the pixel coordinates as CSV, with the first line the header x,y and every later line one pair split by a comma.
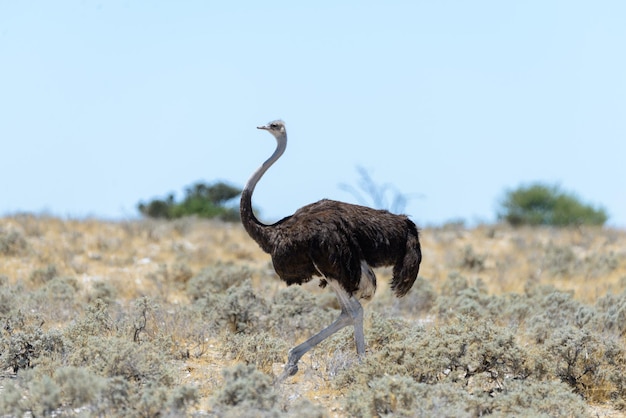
x,y
337,241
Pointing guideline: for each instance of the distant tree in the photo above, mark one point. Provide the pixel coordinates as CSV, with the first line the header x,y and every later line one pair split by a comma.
x,y
540,204
201,199
157,208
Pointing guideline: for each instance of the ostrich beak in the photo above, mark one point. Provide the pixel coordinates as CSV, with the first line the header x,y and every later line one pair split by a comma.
x,y
263,127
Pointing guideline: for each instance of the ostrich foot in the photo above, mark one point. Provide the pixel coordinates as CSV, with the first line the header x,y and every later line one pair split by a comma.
x,y
289,370
291,367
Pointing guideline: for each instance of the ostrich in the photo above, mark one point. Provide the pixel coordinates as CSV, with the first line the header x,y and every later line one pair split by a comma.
x,y
339,242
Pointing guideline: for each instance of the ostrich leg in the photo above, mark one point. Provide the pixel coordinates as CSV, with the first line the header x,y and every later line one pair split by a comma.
x,y
351,314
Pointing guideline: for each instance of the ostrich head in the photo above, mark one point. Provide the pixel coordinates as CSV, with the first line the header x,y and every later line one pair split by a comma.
x,y
276,128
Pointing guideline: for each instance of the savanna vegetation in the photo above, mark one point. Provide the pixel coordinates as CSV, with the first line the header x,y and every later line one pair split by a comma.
x,y
542,204
186,317
201,199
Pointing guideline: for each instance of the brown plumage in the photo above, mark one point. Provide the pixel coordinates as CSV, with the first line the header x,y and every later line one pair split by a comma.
x,y
339,242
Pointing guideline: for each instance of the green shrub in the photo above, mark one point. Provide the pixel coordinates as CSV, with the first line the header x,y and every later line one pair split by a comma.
x,y
510,310
394,394
398,355
25,343
216,279
203,200
44,396
104,291
96,321
539,204
117,356
552,310
245,386
398,395
538,399
459,298
464,349
260,349
182,398
8,297
562,261
303,408
155,400
612,311
241,309
79,386
12,399
158,208
382,331
592,366
57,300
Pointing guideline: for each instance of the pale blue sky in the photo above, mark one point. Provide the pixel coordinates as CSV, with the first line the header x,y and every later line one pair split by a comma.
x,y
103,104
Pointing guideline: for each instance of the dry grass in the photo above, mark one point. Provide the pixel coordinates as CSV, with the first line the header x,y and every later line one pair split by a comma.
x,y
126,261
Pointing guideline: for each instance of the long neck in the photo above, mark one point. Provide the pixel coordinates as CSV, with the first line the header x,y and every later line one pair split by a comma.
x,y
257,230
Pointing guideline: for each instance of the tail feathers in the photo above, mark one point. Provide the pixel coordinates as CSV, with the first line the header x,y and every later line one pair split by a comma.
x,y
406,268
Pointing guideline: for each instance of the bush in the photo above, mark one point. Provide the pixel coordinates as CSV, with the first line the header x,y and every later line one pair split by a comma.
x,y
613,313
552,310
458,297
79,386
394,353
394,394
244,385
25,344
12,243
104,291
592,367
397,395
533,399
241,309
539,204
259,349
203,200
216,279
238,309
